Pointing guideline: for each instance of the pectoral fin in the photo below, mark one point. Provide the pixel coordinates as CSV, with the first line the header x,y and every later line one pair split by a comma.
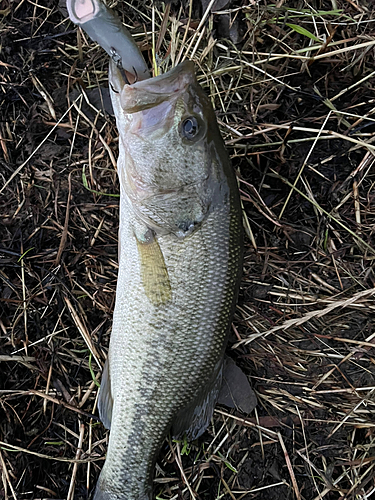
x,y
105,400
236,391
154,273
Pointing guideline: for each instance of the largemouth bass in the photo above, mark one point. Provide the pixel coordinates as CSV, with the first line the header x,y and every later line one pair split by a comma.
x,y
180,260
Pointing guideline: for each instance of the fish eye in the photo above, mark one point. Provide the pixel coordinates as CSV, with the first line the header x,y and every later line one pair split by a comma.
x,y
189,128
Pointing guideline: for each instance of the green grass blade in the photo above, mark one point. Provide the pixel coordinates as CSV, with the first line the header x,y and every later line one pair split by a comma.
x,y
303,31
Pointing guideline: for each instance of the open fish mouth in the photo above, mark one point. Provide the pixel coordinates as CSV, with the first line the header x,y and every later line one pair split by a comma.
x,y
148,93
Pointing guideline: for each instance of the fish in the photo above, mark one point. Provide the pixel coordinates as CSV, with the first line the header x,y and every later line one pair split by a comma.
x,y
180,262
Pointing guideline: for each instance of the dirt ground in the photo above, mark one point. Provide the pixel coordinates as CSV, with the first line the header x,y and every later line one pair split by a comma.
x,y
292,84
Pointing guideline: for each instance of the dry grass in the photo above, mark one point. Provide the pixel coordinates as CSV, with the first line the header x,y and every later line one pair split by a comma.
x,y
295,102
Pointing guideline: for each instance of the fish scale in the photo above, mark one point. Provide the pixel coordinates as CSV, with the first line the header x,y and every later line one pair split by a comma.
x,y
176,292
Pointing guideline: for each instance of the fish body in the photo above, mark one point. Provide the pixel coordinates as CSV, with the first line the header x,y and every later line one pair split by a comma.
x,y
180,260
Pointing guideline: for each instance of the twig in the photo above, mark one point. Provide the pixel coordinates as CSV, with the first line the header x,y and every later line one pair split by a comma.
x,y
12,447
6,479
64,235
62,403
290,468
83,331
75,466
309,316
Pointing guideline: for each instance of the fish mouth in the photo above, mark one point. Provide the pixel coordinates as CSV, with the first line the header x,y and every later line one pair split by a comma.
x,y
145,94
152,102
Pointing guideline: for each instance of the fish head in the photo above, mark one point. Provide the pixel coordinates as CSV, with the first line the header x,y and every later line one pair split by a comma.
x,y
170,167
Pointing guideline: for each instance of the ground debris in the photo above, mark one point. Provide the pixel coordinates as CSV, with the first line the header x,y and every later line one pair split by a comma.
x,y
293,87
